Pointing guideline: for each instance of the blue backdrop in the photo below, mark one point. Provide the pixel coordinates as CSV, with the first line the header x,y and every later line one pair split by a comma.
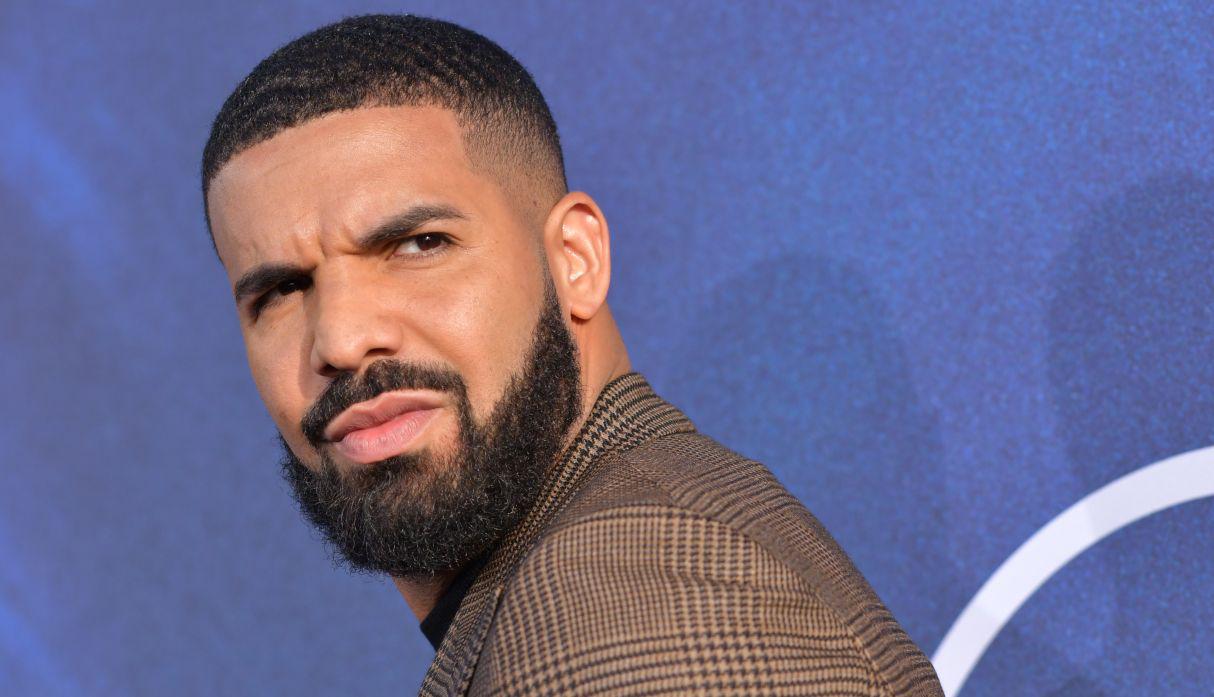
x,y
943,266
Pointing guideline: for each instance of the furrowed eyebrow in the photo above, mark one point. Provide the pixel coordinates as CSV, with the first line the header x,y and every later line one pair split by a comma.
x,y
261,278
406,223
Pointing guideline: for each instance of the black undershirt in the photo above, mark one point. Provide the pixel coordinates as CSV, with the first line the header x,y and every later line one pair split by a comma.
x,y
436,623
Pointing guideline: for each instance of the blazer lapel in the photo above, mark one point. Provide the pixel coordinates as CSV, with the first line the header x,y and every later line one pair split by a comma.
x,y
627,412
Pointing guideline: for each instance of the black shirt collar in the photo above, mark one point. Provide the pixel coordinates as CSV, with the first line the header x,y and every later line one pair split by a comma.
x,y
439,619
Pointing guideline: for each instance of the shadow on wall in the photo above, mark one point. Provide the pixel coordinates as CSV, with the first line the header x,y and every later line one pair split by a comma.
x,y
795,364
1130,366
1129,370
1131,327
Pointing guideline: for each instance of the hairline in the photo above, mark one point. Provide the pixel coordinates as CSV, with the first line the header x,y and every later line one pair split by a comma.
x,y
477,149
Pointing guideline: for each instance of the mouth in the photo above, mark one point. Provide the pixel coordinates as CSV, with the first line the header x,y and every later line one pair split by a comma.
x,y
382,427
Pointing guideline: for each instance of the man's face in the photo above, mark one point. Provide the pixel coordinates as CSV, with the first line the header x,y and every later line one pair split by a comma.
x,y
402,329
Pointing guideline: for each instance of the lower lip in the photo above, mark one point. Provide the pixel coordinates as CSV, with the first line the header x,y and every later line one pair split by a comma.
x,y
390,438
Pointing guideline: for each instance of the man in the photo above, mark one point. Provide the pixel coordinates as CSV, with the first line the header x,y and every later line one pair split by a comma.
x,y
423,304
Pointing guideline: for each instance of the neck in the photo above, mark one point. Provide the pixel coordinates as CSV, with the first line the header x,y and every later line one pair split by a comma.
x,y
422,593
602,357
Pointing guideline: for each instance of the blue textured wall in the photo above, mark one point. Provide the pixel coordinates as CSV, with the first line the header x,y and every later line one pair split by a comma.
x,y
943,266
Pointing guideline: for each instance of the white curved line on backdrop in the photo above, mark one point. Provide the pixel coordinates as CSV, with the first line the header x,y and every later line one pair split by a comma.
x,y
1153,488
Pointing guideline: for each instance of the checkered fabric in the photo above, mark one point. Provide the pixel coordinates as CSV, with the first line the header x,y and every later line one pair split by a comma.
x,y
656,561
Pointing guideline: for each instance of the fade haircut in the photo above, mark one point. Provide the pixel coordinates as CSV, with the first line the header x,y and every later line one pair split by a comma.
x,y
398,60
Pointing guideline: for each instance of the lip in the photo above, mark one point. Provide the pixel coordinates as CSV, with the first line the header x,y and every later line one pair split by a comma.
x,y
382,426
394,436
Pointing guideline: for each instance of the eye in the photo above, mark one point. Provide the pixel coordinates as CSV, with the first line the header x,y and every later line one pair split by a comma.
x,y
287,287
283,288
421,245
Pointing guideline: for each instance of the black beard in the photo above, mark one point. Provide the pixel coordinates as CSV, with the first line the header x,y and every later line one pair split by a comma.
x,y
418,513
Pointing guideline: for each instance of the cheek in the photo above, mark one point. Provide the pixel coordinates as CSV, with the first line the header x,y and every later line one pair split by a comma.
x,y
276,367
483,327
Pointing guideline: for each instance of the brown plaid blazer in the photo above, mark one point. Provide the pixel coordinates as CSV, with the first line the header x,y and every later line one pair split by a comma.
x,y
656,561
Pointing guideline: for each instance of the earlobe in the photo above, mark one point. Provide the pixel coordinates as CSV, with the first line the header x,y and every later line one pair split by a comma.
x,y
579,253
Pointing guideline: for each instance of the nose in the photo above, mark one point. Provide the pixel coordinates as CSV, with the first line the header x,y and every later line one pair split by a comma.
x,y
351,327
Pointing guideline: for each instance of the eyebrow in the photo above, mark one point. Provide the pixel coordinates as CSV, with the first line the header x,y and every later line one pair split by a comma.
x,y
406,223
263,277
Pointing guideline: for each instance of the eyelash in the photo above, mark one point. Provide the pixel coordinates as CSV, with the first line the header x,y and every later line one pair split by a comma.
x,y
444,238
291,285
282,289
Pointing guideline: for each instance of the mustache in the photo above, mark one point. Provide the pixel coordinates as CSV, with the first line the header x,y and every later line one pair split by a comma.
x,y
384,375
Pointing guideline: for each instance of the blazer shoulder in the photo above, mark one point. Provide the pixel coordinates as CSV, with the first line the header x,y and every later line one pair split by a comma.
x,y
692,471
682,517
681,470
648,597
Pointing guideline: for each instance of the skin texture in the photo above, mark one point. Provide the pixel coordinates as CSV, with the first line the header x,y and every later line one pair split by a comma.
x,y
304,199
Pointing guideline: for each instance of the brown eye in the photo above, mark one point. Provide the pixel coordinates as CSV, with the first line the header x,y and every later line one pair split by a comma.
x,y
418,245
288,287
276,293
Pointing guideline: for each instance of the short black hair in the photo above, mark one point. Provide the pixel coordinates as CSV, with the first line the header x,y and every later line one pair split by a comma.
x,y
394,60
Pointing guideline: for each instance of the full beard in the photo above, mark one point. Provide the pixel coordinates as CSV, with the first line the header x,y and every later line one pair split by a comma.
x,y
420,513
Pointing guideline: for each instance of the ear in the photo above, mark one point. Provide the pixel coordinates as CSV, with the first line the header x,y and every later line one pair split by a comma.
x,y
578,247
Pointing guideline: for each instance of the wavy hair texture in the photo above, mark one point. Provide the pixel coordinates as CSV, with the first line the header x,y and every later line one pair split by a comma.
x,y
397,60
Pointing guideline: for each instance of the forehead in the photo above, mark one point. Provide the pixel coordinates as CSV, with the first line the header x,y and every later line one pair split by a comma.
x,y
338,174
